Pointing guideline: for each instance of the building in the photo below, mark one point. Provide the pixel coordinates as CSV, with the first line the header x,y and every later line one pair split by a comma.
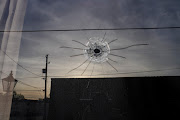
x,y
88,99
141,98
27,110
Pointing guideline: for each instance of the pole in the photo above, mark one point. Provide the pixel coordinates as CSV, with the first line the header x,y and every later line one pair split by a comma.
x,y
45,96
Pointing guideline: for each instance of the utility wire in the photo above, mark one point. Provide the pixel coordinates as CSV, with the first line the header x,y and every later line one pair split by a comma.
x,y
95,29
30,77
139,71
29,90
157,70
4,73
19,64
25,83
28,85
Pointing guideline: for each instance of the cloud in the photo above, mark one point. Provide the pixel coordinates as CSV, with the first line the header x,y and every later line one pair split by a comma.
x,y
162,51
2,3
62,14
138,13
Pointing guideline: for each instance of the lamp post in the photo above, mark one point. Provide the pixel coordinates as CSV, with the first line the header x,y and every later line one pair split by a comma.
x,y
9,83
8,87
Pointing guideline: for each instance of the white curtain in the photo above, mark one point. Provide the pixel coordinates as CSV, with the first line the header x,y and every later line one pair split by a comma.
x,y
12,18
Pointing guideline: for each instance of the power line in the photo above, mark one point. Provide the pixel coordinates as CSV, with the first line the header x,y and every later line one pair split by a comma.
x,y
157,70
29,85
96,29
3,73
38,91
139,71
29,90
29,77
19,64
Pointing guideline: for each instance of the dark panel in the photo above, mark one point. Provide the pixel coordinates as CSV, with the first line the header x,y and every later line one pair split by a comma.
x,y
88,99
144,98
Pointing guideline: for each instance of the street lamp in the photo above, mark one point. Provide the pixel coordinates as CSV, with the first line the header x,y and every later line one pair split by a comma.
x,y
8,87
9,83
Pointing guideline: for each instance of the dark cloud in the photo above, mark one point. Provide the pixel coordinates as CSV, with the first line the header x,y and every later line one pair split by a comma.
x,y
163,44
38,11
162,52
141,13
27,48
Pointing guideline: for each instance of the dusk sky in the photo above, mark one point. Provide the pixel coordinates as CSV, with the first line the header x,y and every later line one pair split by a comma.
x,y
161,53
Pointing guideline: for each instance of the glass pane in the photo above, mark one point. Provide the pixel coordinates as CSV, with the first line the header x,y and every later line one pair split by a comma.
x,y
88,59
